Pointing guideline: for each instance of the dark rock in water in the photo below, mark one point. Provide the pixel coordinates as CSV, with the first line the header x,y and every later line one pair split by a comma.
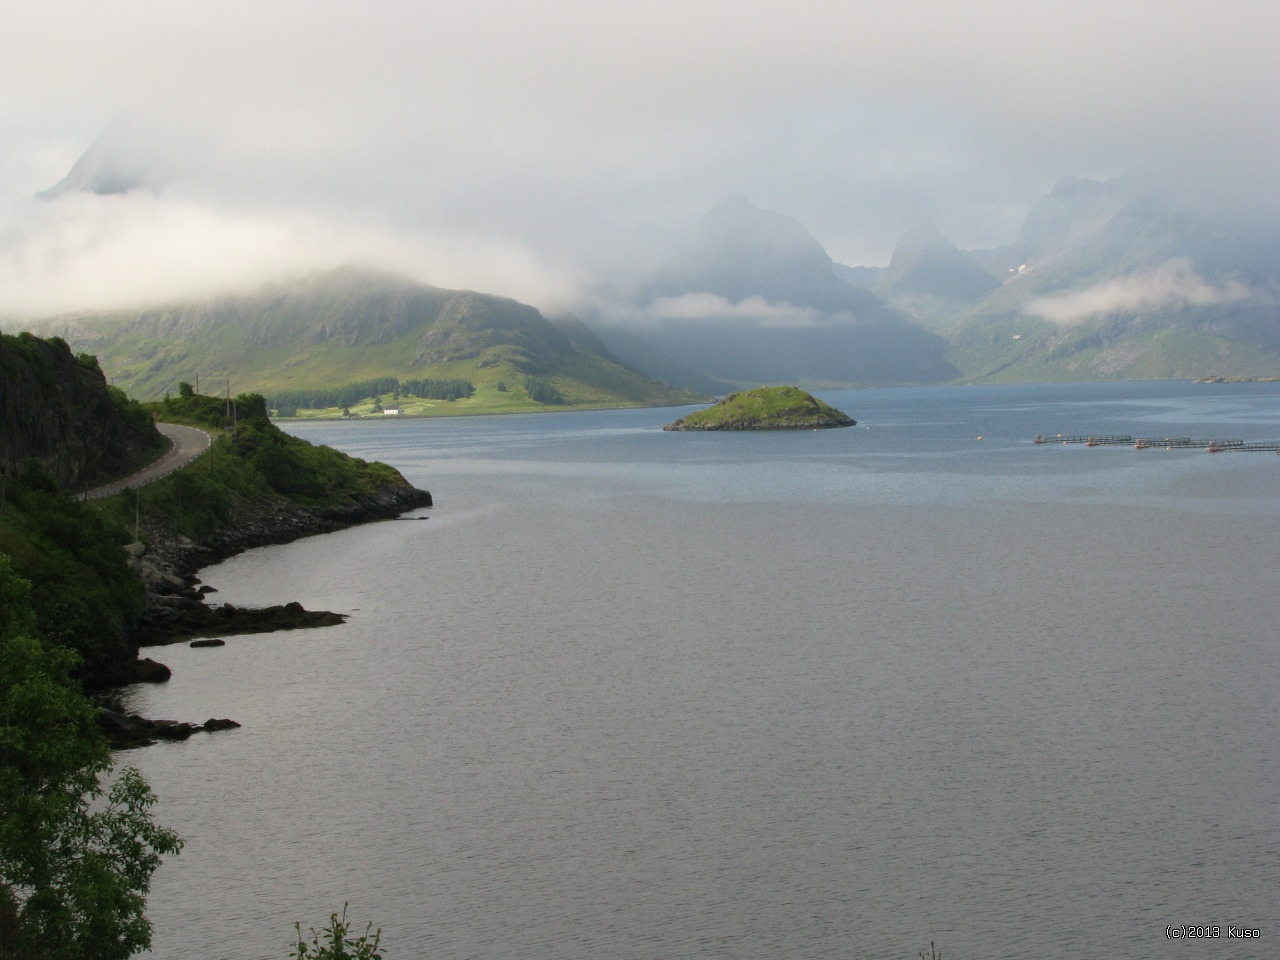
x,y
211,642
126,731
170,729
147,670
174,624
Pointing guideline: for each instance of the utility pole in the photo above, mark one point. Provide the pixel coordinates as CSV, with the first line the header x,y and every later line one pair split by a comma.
x,y
232,412
137,510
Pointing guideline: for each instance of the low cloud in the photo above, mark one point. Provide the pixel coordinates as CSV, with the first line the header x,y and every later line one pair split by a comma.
x,y
528,126
753,311
1173,284
84,252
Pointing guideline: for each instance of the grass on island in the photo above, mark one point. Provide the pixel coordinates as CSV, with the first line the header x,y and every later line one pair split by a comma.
x,y
778,407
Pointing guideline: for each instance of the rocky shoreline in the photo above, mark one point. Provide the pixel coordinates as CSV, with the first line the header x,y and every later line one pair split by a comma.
x,y
126,731
176,607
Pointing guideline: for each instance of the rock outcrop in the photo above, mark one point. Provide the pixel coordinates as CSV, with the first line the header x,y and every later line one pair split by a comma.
x,y
126,730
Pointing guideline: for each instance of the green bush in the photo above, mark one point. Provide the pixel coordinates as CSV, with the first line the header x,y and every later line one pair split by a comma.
x,y
332,943
540,391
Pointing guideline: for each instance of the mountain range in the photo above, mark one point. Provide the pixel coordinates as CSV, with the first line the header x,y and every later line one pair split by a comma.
x,y
1106,280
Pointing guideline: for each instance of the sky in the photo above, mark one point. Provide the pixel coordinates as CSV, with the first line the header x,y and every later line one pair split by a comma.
x,y
502,145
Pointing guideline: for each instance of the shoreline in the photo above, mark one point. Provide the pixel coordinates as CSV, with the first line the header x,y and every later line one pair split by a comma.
x,y
176,609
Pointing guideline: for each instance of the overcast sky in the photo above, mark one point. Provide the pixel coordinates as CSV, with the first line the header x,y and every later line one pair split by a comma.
x,y
496,144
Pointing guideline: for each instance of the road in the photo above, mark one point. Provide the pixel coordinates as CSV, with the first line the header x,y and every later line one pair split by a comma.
x,y
187,443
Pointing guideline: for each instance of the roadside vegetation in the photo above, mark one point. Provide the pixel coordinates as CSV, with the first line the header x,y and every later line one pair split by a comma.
x,y
250,459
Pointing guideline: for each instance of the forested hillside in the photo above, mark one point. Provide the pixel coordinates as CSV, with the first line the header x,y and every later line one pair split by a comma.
x,y
58,409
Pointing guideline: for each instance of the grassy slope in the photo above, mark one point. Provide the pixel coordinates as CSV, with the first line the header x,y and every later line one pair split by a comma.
x,y
350,325
780,407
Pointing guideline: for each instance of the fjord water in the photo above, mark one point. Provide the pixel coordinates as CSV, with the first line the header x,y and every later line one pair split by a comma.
x,y
833,694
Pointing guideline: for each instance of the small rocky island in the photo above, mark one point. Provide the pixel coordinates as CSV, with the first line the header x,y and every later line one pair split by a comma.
x,y
765,408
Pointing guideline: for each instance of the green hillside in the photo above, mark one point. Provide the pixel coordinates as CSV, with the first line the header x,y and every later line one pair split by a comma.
x,y
350,325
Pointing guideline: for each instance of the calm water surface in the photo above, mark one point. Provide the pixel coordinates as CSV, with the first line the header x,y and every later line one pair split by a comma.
x,y
834,694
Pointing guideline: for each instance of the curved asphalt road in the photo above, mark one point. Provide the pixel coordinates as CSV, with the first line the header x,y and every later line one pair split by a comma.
x,y
187,443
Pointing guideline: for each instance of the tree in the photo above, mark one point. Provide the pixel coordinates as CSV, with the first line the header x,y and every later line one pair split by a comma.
x,y
76,852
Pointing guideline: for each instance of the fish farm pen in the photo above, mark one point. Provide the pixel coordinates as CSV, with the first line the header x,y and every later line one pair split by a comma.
x,y
1168,443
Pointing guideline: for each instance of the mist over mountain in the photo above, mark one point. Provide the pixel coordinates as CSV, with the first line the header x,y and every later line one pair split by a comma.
x,y
1073,210
931,279
1114,280
123,158
640,354
864,277
1105,278
749,296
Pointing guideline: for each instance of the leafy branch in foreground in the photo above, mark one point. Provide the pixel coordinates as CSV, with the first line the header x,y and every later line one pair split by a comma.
x,y
332,943
76,855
